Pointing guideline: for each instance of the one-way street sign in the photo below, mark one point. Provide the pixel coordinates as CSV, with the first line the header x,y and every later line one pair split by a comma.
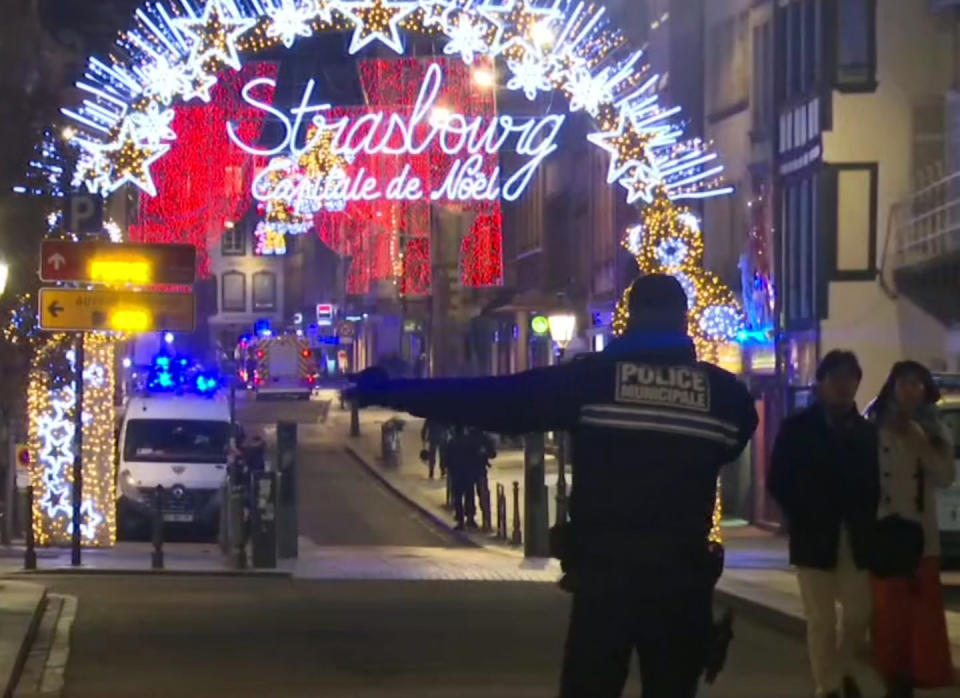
x,y
76,310
109,263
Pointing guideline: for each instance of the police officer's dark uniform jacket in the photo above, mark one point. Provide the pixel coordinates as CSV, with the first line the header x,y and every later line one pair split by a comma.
x,y
650,428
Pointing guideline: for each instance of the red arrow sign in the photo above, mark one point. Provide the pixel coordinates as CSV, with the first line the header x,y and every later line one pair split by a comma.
x,y
109,263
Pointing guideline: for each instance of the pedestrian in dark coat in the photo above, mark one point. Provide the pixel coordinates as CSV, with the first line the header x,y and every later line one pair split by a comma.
x,y
825,477
434,436
466,459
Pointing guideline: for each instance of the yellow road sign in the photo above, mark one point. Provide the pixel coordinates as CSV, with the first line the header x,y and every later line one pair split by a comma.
x,y
121,311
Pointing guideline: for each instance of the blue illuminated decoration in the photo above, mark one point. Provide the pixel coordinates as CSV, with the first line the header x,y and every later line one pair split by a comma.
x,y
263,328
721,322
671,253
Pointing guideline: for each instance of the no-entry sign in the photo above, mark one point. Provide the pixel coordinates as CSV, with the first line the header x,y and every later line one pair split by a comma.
x,y
109,263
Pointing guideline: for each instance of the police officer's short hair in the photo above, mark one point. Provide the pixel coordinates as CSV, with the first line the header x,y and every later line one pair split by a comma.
x,y
839,361
656,300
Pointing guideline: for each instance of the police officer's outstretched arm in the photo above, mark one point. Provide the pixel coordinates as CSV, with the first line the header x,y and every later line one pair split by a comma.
x,y
538,400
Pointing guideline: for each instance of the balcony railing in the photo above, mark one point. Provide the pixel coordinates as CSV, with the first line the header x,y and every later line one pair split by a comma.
x,y
927,224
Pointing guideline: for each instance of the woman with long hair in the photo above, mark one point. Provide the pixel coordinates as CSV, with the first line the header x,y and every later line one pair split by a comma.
x,y
911,645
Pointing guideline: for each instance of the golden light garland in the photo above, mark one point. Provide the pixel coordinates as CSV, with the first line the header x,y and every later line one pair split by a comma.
x,y
51,413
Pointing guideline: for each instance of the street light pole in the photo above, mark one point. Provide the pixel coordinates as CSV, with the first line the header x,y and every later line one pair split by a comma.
x,y
563,327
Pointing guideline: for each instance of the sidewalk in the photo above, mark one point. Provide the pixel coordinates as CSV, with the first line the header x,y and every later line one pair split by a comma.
x,y
21,607
410,478
757,579
128,558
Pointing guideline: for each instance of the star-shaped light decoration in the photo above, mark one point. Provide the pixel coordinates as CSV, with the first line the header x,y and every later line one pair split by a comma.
x,y
324,10
164,80
530,74
153,126
434,11
199,85
129,160
290,20
213,36
378,20
92,171
642,183
470,35
629,147
526,29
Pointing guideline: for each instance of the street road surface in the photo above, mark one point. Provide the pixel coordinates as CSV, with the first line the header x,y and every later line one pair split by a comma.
x,y
250,638
343,505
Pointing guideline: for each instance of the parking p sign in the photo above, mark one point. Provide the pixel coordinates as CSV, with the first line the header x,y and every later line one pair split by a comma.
x,y
83,213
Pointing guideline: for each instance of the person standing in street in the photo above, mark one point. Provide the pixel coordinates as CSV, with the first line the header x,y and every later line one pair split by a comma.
x,y
650,428
825,477
463,461
482,482
434,436
910,638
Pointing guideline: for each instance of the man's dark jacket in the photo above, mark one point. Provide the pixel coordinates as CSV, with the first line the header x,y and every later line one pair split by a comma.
x,y
823,475
650,428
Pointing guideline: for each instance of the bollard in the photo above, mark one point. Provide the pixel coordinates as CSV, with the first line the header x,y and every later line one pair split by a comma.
x,y
517,538
485,505
286,495
30,554
354,419
223,529
156,560
501,512
263,520
238,539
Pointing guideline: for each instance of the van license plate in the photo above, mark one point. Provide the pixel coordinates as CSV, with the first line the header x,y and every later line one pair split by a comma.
x,y
178,518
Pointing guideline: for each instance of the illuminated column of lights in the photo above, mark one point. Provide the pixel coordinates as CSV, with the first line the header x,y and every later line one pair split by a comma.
x,y
51,411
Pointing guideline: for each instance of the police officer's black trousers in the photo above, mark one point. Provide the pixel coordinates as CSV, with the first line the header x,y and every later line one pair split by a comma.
x,y
669,633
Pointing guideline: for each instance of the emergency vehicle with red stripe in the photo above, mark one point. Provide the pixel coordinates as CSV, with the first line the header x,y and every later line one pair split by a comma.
x,y
284,366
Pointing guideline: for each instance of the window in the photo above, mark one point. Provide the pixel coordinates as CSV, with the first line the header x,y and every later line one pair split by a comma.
x,y
729,82
851,221
264,291
799,230
762,97
234,296
800,26
856,50
811,44
176,440
234,241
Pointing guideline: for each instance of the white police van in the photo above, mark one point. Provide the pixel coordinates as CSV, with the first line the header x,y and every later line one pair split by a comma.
x,y
180,443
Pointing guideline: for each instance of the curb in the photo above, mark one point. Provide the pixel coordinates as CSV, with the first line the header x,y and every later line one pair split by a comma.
x,y
24,649
420,508
131,572
772,617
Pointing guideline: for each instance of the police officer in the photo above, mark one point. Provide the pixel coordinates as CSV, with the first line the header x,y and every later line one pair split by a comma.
x,y
650,428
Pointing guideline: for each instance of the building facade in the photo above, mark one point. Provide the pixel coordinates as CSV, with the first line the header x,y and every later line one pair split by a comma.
x,y
861,89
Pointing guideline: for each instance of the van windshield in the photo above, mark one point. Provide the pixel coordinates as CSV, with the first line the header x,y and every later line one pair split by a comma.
x,y
952,419
176,440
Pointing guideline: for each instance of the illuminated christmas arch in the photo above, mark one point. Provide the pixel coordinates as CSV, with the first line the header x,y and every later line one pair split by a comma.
x,y
177,51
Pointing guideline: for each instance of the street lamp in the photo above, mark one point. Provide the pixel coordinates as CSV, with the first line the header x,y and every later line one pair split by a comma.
x,y
563,327
4,275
